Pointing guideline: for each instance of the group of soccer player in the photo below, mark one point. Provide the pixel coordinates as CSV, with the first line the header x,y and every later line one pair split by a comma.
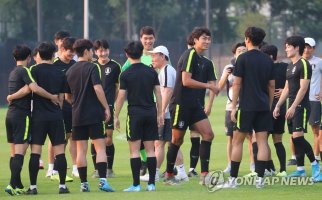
x,y
71,98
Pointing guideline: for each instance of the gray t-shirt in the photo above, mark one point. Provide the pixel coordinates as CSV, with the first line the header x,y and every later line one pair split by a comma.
x,y
316,77
230,91
167,78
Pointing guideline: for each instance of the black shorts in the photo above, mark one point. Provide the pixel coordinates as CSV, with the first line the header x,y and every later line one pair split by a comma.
x,y
279,123
229,125
143,128
259,121
18,129
91,131
67,114
299,121
165,132
110,124
185,116
55,130
315,116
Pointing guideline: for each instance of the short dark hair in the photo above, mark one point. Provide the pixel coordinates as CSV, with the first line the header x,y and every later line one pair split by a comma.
x,y
146,30
80,45
199,31
46,50
68,43
134,50
255,34
270,50
101,43
21,52
296,41
235,47
190,41
34,52
61,35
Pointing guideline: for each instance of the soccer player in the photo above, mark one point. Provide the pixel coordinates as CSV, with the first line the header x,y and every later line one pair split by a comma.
x,y
296,89
208,74
254,88
185,108
226,80
58,39
315,91
144,116
110,70
89,111
47,117
20,85
279,122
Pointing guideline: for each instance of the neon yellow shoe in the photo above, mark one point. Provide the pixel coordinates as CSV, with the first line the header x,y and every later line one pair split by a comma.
x,y
55,177
282,174
9,189
20,191
252,174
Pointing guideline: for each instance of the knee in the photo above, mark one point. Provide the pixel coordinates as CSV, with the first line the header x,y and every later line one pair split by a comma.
x,y
178,141
109,141
208,136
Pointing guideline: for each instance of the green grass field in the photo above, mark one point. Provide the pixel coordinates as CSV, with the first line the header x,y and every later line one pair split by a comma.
x,y
191,190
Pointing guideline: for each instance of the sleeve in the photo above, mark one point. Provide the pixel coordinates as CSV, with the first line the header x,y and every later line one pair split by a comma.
x,y
26,76
273,72
240,66
123,85
66,88
306,70
190,61
211,75
118,72
156,79
126,65
96,75
171,80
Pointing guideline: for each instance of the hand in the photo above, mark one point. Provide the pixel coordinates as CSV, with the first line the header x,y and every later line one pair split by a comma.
x,y
318,96
276,112
107,114
228,70
160,120
116,123
233,115
278,92
55,99
9,99
213,88
290,113
207,111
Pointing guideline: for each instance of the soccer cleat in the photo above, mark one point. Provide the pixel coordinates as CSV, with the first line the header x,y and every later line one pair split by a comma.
x,y
298,173
109,173
143,168
318,178
10,190
282,174
182,177
192,173
231,183
63,190
84,187
315,170
252,174
105,186
202,178
267,173
171,180
95,174
55,177
41,164
133,188
150,188
227,170
49,173
291,162
20,191
259,183
145,178
32,191
75,174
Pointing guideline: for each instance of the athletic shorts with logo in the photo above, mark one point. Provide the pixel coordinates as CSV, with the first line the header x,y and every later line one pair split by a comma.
x,y
165,132
54,129
315,115
259,121
299,121
110,124
91,131
18,129
279,123
140,127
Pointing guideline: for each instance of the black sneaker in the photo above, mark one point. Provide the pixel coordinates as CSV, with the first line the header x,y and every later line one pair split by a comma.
x,y
143,168
32,192
192,173
63,190
291,162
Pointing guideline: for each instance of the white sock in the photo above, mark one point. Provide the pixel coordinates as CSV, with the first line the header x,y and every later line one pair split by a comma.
x,y
33,187
252,167
317,157
191,169
62,186
300,168
55,172
41,162
103,179
181,169
314,163
294,157
75,168
50,167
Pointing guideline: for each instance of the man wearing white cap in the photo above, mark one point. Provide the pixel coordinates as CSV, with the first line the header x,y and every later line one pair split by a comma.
x,y
315,95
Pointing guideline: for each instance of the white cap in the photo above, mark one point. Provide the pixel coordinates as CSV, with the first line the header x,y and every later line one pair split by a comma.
x,y
160,49
310,41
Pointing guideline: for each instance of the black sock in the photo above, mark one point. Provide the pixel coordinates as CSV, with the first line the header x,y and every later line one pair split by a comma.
x,y
110,151
308,150
152,165
12,178
10,161
55,165
171,157
260,168
204,152
135,167
321,155
234,169
82,174
93,152
101,168
281,154
17,164
271,166
194,151
299,150
255,151
33,168
61,165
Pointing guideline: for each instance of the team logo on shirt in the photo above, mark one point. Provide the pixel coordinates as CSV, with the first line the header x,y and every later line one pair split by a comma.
x,y
181,124
293,70
107,70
